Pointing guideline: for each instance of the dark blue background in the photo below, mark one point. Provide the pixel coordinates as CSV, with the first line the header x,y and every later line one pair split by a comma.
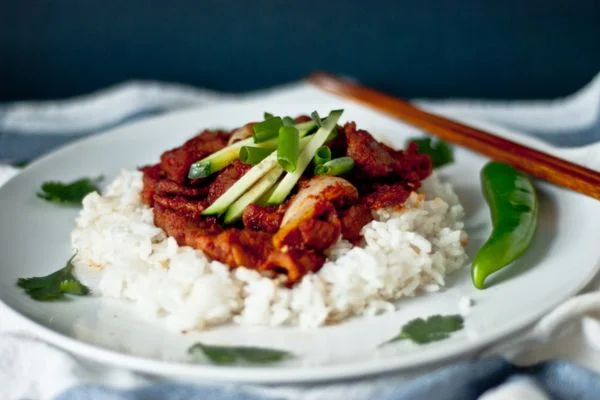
x,y
460,48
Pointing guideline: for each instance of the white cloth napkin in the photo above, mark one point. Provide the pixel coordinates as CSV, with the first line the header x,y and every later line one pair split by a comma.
x,y
32,369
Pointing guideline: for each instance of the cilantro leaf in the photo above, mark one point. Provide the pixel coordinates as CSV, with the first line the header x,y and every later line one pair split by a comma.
x,y
20,164
230,355
440,152
432,329
68,193
54,286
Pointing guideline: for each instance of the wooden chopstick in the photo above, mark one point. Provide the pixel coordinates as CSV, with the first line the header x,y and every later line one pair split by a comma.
x,y
533,162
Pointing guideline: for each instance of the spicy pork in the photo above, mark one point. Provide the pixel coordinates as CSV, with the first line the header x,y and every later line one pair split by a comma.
x,y
288,239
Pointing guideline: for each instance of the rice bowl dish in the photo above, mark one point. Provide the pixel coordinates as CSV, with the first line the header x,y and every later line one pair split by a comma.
x,y
407,251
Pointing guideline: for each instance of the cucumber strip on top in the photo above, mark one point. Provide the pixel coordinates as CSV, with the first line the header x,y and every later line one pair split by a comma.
x,y
243,184
222,158
318,139
258,191
304,128
235,211
220,205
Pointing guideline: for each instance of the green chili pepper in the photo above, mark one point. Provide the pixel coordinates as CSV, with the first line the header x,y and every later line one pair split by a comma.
x,y
514,209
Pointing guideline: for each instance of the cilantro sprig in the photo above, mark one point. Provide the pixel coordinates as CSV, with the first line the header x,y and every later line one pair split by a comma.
x,y
432,329
440,152
231,355
68,193
54,286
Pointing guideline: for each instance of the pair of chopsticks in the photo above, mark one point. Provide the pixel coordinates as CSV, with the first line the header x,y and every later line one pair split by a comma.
x,y
533,162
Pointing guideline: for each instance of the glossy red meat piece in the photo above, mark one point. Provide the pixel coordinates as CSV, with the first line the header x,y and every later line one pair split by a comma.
x,y
226,178
263,218
176,163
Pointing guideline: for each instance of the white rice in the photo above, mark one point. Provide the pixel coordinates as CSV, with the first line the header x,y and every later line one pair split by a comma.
x,y
121,254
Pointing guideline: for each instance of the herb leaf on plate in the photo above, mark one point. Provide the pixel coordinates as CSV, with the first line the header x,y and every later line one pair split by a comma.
x,y
231,355
20,163
432,329
54,286
440,152
68,193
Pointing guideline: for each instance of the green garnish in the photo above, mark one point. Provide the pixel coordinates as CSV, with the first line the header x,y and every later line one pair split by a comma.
x,y
220,205
236,210
288,182
288,121
259,192
322,155
288,147
230,355
319,122
267,129
222,158
68,193
315,117
432,329
306,128
440,152
242,185
337,166
217,161
21,164
334,133
54,286
253,155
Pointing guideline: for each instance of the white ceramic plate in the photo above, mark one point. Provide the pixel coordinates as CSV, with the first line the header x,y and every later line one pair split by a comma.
x,y
34,240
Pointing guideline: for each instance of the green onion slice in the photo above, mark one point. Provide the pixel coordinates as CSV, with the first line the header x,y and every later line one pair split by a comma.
x,y
288,121
266,130
222,158
315,117
288,148
337,166
253,155
285,186
322,155
242,185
